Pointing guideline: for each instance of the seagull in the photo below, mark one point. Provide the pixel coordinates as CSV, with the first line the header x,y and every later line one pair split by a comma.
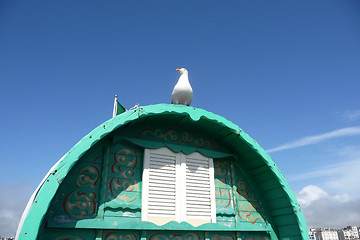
x,y
182,93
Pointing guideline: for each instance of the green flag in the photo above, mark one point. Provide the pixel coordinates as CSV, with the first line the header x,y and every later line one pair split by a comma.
x,y
118,108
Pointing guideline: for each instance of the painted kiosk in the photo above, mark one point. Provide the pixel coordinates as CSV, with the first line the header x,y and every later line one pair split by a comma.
x,y
164,172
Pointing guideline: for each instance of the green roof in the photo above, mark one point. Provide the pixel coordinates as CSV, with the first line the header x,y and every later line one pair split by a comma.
x,y
280,200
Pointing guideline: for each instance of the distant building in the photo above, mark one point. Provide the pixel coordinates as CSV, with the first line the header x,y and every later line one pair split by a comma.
x,y
329,234
341,234
348,233
355,232
312,234
351,232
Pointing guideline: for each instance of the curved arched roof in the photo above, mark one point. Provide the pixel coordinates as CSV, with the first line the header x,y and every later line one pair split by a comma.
x,y
280,198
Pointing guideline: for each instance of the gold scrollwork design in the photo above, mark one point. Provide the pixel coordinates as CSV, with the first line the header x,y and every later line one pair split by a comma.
x,y
158,236
185,137
191,236
243,191
220,184
221,168
79,204
122,172
118,184
126,157
223,197
172,135
175,236
123,189
248,213
160,134
199,142
88,177
120,236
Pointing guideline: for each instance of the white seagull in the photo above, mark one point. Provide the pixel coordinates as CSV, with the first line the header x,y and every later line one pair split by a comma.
x,y
182,93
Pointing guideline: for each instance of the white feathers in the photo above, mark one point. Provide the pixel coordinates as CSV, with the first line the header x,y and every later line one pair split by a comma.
x,y
182,93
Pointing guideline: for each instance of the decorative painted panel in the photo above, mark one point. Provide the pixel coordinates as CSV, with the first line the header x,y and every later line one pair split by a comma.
x,y
183,235
230,180
248,208
106,185
122,177
120,235
185,140
104,182
78,194
92,234
174,136
224,193
223,187
221,236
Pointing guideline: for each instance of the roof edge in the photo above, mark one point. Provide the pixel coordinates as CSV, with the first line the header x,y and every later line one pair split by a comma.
x,y
52,180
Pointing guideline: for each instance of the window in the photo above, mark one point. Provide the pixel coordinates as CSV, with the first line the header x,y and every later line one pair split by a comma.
x,y
178,187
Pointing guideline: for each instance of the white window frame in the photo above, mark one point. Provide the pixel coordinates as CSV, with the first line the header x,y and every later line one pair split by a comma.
x,y
181,176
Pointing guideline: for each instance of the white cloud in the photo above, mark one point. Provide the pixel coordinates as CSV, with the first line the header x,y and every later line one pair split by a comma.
x,y
12,204
310,140
351,115
333,198
346,179
342,198
326,171
340,177
322,209
310,194
348,168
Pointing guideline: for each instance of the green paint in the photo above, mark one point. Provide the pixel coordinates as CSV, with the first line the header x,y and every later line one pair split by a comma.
x,y
97,185
119,108
58,234
71,234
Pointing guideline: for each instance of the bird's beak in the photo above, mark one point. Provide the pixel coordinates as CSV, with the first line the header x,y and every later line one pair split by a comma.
x,y
178,70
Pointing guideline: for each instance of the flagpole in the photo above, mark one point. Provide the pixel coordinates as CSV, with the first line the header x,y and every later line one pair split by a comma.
x,y
115,106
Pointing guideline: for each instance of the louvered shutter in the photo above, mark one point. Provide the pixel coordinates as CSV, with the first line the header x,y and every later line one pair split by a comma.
x,y
160,194
199,188
177,187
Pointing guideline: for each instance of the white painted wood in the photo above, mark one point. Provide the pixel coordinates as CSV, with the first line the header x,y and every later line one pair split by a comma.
x,y
145,186
182,187
198,181
212,191
178,187
159,184
115,106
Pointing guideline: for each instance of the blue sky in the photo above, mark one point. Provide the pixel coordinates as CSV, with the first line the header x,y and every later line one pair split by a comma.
x,y
286,72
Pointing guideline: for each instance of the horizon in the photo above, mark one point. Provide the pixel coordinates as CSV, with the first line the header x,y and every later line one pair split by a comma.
x,y
287,73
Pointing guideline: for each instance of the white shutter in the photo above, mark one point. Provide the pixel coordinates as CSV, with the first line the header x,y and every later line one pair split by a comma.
x,y
199,188
177,187
159,185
